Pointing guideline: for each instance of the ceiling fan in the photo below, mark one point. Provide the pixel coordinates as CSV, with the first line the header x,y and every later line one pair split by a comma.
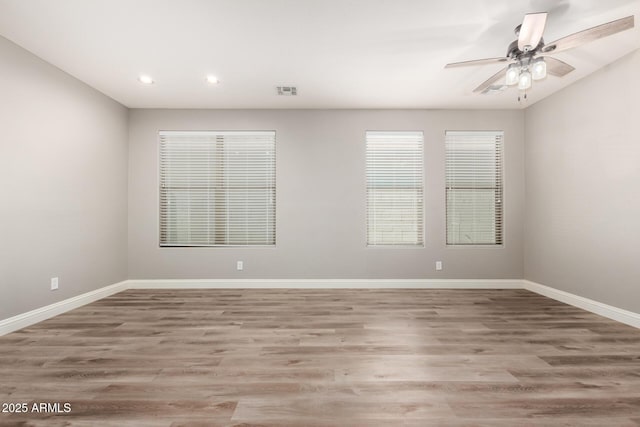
x,y
528,57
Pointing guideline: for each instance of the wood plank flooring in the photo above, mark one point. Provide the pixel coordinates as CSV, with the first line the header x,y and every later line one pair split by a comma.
x,y
275,357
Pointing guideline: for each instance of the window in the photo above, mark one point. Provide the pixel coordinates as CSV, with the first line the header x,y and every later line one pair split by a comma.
x,y
474,188
394,188
217,188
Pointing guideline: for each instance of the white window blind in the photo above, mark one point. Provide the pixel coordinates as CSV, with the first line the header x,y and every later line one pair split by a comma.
x,y
474,187
394,188
217,188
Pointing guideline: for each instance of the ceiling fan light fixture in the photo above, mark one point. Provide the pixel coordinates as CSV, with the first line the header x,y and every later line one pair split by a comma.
x,y
524,82
525,56
539,69
513,73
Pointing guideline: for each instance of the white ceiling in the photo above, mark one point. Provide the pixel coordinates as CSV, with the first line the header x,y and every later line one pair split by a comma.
x,y
339,53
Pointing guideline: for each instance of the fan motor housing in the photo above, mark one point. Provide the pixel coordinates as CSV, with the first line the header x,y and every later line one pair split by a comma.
x,y
514,52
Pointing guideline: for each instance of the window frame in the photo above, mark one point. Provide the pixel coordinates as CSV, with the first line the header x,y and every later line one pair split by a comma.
x,y
422,225
162,245
502,227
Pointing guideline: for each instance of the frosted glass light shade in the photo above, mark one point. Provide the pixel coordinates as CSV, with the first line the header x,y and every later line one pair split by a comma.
x,y
524,81
513,72
539,69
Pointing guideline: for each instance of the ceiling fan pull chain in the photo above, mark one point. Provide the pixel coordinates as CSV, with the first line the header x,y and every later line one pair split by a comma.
x,y
523,97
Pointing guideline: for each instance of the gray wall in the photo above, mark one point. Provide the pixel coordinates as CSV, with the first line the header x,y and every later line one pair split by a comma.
x,y
583,187
321,197
63,169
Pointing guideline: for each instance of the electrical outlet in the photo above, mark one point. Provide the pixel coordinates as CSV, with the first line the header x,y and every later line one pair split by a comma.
x,y
240,265
438,265
54,283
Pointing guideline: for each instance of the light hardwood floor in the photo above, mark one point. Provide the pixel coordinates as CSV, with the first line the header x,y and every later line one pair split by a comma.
x,y
325,358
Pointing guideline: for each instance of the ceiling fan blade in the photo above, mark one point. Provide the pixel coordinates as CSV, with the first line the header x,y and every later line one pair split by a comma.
x,y
589,35
531,31
557,68
500,75
476,62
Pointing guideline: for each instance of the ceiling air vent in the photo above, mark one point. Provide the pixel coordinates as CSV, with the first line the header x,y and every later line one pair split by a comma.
x,y
287,90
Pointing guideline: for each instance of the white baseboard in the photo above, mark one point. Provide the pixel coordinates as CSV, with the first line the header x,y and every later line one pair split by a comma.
x,y
609,311
39,314
614,313
27,319
327,284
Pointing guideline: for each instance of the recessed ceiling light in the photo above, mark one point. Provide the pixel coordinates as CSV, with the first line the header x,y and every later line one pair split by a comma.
x,y
212,79
145,79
